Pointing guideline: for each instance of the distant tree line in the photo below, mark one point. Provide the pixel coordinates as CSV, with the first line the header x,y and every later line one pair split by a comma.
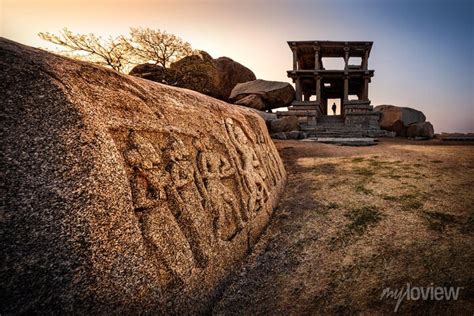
x,y
142,45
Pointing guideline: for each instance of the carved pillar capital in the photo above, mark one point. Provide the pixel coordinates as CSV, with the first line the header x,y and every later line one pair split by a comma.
x,y
346,57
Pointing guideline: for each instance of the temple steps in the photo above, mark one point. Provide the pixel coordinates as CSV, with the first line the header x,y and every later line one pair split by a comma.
x,y
327,131
331,119
335,134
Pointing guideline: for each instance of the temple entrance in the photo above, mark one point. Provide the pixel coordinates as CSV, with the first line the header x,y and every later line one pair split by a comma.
x,y
329,109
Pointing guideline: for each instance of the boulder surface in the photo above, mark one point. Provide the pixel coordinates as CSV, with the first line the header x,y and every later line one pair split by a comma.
x,y
253,101
230,74
274,94
201,73
120,195
284,124
420,130
156,73
396,118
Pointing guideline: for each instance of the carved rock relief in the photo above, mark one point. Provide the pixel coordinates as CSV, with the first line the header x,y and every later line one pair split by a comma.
x,y
190,192
249,166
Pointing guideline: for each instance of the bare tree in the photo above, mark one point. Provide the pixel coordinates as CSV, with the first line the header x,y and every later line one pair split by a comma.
x,y
157,46
112,53
121,53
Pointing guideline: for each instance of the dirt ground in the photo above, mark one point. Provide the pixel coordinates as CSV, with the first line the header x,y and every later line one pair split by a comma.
x,y
357,220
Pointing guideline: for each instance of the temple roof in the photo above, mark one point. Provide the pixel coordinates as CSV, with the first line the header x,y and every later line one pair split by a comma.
x,y
332,48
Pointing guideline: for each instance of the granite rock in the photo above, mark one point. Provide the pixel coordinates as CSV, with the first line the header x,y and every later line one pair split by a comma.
x,y
420,130
275,94
396,118
284,124
200,72
120,195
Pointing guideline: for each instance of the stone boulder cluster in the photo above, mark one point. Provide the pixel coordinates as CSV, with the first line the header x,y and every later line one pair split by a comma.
x,y
263,96
405,122
225,79
121,195
201,73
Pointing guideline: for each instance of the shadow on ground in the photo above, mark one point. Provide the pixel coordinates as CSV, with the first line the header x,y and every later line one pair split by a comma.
x,y
354,221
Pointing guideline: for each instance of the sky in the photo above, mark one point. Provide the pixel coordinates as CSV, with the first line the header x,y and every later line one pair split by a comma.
x,y
423,52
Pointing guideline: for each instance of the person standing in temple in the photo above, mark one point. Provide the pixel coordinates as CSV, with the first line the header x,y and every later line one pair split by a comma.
x,y
334,107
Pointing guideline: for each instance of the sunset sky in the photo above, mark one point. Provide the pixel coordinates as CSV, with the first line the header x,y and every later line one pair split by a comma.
x,y
423,52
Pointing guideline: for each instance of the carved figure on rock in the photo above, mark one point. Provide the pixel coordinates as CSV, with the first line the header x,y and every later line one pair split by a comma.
x,y
215,167
185,195
159,227
249,166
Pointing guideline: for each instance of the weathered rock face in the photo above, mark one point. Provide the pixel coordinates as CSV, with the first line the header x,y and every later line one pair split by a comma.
x,y
267,117
420,130
396,118
156,73
202,73
121,195
274,94
198,73
284,124
253,101
230,74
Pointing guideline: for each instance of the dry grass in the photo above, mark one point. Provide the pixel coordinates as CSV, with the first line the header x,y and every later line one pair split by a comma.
x,y
357,220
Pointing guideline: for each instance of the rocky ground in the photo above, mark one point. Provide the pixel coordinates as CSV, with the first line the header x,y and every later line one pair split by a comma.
x,y
354,221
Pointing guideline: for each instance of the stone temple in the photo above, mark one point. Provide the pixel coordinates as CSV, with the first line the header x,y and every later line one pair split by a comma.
x,y
319,87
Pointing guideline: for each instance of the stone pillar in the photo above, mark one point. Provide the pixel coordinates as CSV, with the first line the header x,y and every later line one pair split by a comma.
x,y
346,88
295,59
365,60
346,57
365,91
318,89
316,59
298,89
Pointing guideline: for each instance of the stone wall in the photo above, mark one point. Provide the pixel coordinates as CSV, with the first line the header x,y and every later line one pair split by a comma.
x,y
121,195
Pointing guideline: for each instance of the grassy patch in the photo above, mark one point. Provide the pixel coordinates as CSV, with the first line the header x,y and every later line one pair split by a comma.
x,y
411,204
362,218
390,198
332,206
468,226
362,189
337,183
439,220
394,176
326,168
364,172
378,164
358,159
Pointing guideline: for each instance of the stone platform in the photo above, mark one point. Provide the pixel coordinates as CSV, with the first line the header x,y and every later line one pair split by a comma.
x,y
361,141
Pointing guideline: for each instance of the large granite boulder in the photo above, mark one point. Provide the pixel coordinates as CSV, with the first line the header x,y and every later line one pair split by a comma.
x,y
231,73
253,101
156,73
267,116
284,124
396,118
423,130
120,195
201,72
274,94
198,73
